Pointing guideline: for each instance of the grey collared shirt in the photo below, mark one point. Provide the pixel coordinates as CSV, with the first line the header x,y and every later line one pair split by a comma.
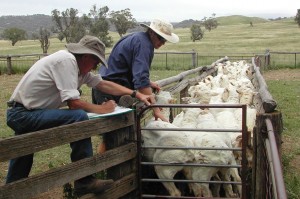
x,y
51,81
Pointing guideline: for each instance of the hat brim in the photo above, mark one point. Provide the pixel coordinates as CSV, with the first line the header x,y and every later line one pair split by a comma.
x,y
173,38
79,49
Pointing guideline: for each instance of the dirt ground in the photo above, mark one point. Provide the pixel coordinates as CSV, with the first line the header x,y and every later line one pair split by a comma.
x,y
284,74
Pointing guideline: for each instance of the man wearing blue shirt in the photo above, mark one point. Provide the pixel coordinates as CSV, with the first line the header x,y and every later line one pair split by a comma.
x,y
130,60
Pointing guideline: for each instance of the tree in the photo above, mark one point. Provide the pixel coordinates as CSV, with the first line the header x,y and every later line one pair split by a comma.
x,y
44,39
68,24
297,18
196,32
14,35
98,24
210,23
34,36
122,20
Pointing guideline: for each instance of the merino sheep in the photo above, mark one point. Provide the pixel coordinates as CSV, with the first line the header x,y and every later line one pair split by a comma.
x,y
167,138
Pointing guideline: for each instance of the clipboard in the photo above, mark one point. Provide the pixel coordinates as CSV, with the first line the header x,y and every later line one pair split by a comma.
x,y
118,110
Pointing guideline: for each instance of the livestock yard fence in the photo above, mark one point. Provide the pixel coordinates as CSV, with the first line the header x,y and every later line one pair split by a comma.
x,y
171,60
120,161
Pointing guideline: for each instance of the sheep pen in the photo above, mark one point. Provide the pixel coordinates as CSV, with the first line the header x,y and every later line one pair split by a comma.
x,y
221,84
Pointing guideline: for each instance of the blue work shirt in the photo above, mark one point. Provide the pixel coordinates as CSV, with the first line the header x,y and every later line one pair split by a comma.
x,y
130,60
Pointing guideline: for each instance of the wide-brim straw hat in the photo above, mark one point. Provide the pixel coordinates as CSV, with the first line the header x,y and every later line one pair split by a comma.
x,y
89,45
164,29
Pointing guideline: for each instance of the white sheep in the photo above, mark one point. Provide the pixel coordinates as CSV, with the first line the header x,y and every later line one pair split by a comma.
x,y
218,157
207,121
167,138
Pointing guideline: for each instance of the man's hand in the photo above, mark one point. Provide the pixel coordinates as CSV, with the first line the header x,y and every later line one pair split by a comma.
x,y
147,99
159,115
108,106
155,87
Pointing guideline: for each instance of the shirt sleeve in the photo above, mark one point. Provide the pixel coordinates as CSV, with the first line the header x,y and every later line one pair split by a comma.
x,y
91,79
65,76
143,55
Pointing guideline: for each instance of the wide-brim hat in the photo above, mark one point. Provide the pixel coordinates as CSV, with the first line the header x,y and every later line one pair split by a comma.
x,y
164,29
89,45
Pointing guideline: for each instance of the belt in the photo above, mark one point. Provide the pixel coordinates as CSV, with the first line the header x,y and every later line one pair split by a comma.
x,y
13,104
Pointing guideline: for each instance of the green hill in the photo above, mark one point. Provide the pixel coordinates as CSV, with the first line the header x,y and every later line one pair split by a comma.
x,y
239,19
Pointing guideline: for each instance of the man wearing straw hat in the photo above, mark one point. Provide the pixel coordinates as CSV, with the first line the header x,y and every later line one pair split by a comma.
x,y
51,84
130,61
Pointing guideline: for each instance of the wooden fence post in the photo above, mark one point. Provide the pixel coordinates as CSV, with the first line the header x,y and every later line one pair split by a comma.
x,y
117,138
194,58
267,57
9,65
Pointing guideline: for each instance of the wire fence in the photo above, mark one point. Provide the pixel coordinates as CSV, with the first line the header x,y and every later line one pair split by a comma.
x,y
180,61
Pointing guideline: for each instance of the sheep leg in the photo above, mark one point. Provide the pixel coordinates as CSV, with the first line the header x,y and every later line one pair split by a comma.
x,y
236,177
168,173
201,174
225,175
216,187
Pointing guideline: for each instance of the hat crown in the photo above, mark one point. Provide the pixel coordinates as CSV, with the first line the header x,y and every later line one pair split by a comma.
x,y
94,44
162,26
164,29
89,45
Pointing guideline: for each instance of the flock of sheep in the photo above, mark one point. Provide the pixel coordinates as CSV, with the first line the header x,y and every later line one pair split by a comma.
x,y
231,85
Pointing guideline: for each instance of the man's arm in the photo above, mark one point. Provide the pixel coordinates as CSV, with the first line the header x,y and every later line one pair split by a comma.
x,y
118,90
156,111
106,107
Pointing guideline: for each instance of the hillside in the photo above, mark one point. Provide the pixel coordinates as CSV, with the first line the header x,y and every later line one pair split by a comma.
x,y
29,23
32,23
238,19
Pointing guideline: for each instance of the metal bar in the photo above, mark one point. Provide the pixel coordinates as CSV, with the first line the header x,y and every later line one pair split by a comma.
x,y
279,182
193,129
173,197
190,181
196,106
194,148
244,156
202,106
139,154
269,157
190,164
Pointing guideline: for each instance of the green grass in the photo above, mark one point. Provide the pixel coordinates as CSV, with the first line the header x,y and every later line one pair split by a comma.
x,y
287,95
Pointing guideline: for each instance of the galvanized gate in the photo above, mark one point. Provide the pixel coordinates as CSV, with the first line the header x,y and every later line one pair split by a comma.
x,y
148,184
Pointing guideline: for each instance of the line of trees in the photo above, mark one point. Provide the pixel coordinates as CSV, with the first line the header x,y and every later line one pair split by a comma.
x,y
71,27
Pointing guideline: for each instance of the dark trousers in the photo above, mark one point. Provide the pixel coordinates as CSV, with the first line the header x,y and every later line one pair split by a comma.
x,y
24,121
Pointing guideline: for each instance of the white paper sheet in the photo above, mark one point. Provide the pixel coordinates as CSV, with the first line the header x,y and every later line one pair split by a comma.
x,y
118,110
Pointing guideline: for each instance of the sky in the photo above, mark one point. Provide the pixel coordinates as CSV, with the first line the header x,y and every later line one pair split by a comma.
x,y
171,10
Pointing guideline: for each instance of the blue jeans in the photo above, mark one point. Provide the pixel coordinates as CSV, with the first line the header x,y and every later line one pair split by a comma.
x,y
24,121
